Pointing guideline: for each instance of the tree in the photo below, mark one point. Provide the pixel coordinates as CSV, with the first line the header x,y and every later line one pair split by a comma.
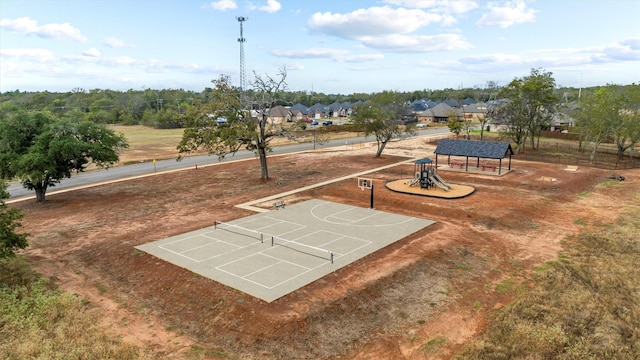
x,y
631,116
529,107
454,124
611,114
41,150
9,221
595,118
383,115
240,127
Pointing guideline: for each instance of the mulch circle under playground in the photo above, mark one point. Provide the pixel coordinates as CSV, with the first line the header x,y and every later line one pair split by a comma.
x,y
428,182
271,254
456,191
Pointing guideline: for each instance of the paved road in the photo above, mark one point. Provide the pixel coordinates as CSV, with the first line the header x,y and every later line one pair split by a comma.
x,y
120,172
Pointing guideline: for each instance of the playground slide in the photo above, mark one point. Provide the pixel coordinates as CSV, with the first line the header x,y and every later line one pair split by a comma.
x,y
442,181
413,182
438,183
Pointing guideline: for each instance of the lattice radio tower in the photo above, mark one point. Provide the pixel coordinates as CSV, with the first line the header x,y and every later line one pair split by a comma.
x,y
242,40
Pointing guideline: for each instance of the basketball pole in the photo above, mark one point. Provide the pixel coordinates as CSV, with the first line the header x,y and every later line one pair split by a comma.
x,y
371,203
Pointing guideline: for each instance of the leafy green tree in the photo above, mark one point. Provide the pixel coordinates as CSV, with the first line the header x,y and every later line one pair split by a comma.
x,y
611,114
383,116
626,130
453,123
531,103
41,150
596,118
511,114
241,128
9,221
631,116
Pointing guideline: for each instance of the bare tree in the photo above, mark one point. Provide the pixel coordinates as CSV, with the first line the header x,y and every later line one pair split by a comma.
x,y
227,122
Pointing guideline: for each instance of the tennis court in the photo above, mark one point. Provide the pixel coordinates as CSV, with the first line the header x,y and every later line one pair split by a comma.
x,y
269,255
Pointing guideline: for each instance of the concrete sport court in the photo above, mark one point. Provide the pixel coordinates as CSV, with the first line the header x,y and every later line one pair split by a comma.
x,y
271,254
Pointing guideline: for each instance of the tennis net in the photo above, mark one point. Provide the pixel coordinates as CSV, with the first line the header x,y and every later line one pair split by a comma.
x,y
276,240
303,248
239,230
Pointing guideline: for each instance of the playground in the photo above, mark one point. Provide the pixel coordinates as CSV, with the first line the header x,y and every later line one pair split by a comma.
x,y
442,281
428,182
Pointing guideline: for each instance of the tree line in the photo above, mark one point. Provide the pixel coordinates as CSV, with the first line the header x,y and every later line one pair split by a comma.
x,y
530,104
165,108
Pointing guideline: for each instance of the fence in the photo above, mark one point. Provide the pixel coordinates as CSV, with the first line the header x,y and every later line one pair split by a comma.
x,y
600,163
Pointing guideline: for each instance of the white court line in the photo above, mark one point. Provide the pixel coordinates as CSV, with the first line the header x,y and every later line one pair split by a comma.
x,y
294,227
352,224
261,252
367,242
215,241
348,221
244,277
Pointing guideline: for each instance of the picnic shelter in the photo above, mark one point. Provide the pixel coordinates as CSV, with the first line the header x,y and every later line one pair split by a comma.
x,y
477,150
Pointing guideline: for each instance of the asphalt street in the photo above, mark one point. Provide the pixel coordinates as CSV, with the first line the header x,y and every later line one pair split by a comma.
x,y
16,190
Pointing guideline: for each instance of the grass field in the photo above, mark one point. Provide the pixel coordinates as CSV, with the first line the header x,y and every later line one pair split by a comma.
x,y
146,143
585,305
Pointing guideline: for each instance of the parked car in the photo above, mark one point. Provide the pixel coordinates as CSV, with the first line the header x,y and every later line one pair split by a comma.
x,y
314,122
327,122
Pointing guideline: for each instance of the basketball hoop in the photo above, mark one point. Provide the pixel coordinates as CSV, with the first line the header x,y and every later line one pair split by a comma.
x,y
365,183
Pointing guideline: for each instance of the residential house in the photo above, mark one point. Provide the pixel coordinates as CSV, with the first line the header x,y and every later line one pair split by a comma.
x,y
475,111
279,115
438,114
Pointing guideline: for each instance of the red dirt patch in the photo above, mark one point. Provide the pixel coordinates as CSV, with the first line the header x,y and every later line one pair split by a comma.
x,y
435,284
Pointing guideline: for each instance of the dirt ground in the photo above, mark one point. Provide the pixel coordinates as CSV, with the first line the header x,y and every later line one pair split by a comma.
x,y
421,297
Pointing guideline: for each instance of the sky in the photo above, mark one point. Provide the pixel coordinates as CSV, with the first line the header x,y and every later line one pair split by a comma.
x,y
328,46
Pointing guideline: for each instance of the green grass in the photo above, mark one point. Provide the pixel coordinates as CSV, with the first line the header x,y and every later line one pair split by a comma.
x,y
505,286
585,305
433,345
38,321
580,222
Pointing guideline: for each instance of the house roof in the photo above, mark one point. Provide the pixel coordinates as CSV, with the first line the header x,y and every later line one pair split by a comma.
x,y
440,110
479,149
468,101
452,103
475,108
299,107
317,107
279,111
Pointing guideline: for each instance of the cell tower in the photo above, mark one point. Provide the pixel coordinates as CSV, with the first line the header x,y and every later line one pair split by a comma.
x,y
242,40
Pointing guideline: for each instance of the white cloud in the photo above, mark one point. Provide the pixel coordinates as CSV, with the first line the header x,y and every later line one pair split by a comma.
x,y
295,66
510,13
223,5
562,59
325,53
627,50
313,53
417,43
362,58
93,52
445,6
28,26
37,55
113,42
374,21
271,6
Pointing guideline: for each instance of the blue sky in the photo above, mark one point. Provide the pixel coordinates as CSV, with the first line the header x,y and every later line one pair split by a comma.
x,y
329,46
